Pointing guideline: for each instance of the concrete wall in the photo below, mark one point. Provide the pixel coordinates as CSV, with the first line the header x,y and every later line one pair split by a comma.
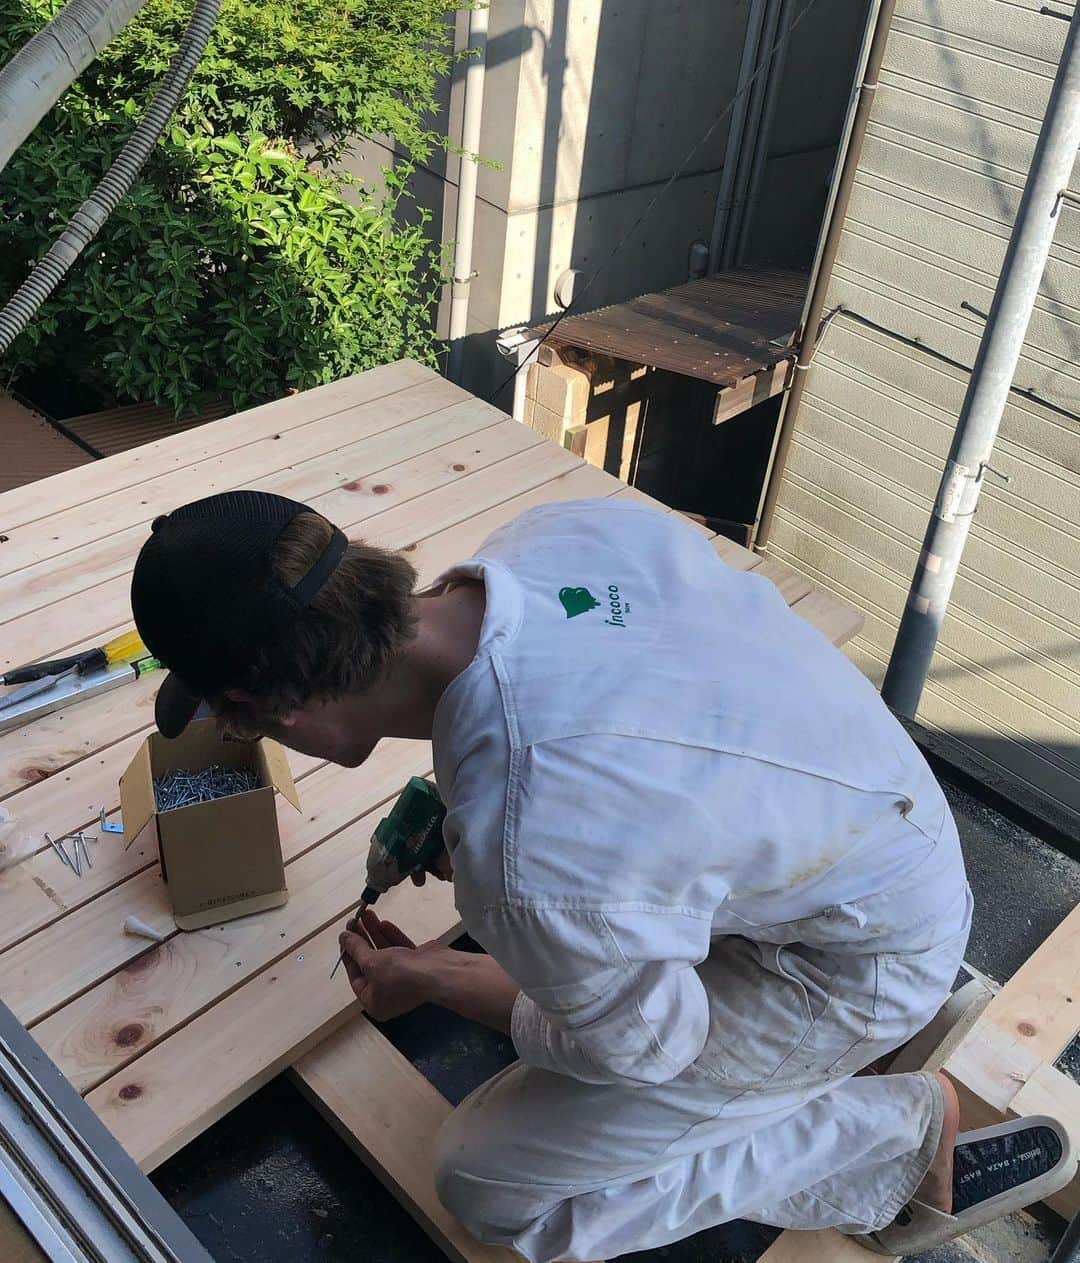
x,y
953,128
589,107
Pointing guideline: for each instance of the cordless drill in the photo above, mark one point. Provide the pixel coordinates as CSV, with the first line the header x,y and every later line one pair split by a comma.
x,y
406,841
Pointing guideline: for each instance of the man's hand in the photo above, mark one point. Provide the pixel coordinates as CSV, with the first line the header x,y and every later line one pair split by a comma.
x,y
390,975
442,867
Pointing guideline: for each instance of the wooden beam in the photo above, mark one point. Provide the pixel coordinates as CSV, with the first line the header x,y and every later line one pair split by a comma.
x,y
749,391
816,1247
389,1115
832,616
180,1087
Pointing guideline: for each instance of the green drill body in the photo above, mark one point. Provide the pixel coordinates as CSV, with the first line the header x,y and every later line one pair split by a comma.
x,y
406,841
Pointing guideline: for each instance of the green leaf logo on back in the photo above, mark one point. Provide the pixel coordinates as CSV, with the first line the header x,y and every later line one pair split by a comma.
x,y
577,601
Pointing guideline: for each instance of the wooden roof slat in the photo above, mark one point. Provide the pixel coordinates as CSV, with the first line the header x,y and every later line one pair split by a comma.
x,y
720,329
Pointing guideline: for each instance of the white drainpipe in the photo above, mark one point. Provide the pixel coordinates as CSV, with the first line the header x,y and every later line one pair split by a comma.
x,y
519,350
473,108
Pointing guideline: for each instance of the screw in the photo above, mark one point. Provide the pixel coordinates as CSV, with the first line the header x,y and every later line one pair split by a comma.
x,y
58,848
75,856
86,853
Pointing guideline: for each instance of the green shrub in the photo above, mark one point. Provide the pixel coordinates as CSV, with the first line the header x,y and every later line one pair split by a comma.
x,y
242,263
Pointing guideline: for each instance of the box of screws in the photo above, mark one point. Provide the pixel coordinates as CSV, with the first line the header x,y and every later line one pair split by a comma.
x,y
181,787
209,802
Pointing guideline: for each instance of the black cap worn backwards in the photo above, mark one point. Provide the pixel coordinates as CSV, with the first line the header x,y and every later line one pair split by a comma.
x,y
206,598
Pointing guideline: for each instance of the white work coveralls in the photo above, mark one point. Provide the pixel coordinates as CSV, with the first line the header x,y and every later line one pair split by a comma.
x,y
724,879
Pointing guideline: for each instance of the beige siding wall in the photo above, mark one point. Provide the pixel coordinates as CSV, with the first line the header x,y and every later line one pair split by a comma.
x,y
955,119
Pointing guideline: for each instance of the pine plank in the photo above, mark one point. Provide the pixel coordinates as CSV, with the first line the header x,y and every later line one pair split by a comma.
x,y
81,486
453,493
1048,1091
177,1089
56,742
389,1115
1004,1067
832,617
46,971
1027,1025
59,803
68,528
39,585
1040,1004
791,585
109,1026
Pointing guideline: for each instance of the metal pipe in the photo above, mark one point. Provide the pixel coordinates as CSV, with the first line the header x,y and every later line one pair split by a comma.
x,y
468,171
823,270
49,62
988,389
516,347
773,79
751,142
90,218
736,131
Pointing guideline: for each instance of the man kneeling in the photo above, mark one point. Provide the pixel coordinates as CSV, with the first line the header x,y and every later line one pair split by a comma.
x,y
713,876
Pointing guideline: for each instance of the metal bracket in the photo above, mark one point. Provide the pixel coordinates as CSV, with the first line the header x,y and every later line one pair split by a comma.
x,y
959,492
107,825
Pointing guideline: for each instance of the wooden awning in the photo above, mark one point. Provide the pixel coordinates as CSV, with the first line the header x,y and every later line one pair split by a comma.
x,y
720,329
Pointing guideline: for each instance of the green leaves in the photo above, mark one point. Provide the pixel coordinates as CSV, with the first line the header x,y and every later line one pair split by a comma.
x,y
240,264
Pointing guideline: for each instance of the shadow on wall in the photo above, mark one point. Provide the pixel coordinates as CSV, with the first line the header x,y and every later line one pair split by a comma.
x,y
612,98
590,106
1034,763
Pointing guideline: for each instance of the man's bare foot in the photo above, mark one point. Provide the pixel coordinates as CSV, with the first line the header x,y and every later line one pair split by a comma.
x,y
936,1188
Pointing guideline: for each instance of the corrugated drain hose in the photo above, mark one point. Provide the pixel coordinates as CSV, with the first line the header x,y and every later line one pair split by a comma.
x,y
88,220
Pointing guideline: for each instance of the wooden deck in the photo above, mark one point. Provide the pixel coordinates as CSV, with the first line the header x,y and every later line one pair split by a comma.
x,y
164,1039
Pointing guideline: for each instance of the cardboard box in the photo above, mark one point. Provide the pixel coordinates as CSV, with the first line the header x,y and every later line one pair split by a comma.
x,y
220,859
